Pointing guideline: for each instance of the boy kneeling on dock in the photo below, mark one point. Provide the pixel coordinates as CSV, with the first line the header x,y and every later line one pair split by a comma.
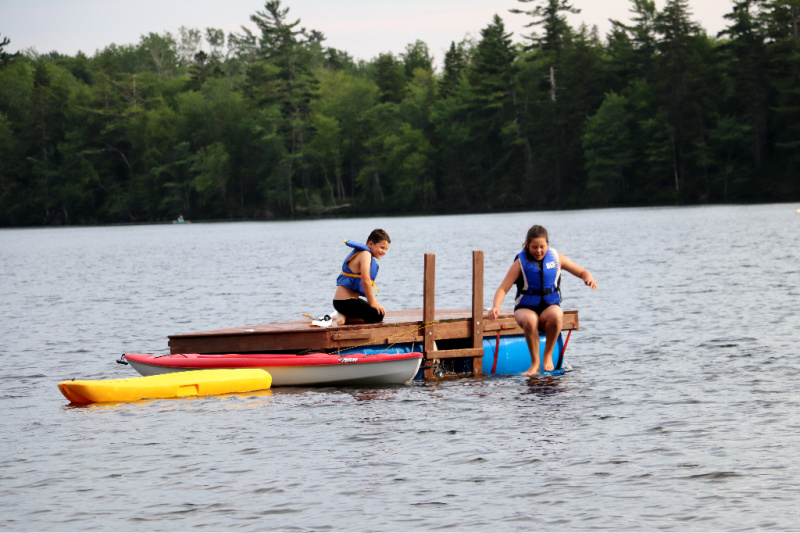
x,y
358,272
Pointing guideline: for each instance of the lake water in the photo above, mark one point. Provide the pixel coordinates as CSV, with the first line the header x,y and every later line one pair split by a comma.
x,y
681,410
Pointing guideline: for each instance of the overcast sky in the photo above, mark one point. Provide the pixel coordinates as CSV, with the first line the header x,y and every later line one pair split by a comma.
x,y
362,28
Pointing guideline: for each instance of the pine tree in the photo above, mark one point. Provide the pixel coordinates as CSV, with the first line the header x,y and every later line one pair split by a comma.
x,y
416,56
500,154
746,66
5,57
455,61
782,18
680,67
551,16
284,77
632,47
549,126
390,78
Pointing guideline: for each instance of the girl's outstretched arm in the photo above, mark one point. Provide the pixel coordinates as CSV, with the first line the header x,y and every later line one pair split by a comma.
x,y
577,270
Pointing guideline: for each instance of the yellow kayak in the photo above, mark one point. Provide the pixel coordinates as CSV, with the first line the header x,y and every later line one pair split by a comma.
x,y
173,385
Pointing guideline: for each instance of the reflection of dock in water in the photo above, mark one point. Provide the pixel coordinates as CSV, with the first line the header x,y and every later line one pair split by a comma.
x,y
440,334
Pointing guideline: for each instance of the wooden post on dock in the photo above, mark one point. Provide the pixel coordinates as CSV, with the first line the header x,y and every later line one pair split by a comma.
x,y
428,313
477,310
432,355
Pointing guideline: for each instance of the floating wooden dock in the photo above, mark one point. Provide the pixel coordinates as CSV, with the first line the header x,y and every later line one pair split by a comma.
x,y
441,334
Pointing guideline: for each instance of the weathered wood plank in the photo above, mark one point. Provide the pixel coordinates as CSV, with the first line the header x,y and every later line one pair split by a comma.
x,y
461,352
407,317
350,335
403,326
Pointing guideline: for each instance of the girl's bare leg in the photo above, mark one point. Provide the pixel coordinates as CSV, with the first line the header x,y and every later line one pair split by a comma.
x,y
552,320
529,322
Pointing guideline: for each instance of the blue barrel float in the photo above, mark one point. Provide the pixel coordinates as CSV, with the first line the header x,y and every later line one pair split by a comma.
x,y
513,357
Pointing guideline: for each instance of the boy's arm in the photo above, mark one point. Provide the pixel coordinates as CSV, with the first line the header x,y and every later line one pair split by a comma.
x,y
365,261
577,271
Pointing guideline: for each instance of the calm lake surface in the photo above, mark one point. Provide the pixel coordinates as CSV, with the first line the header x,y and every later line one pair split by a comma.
x,y
681,410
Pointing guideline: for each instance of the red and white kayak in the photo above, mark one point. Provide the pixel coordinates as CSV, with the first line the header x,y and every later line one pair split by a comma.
x,y
293,369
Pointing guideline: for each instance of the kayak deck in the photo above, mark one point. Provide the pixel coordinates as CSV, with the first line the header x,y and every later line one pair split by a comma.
x,y
293,369
176,385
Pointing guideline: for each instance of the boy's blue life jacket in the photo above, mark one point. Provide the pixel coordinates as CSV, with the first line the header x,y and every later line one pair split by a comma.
x,y
352,281
537,283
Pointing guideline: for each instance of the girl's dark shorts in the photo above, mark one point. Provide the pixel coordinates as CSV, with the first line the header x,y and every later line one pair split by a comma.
x,y
536,309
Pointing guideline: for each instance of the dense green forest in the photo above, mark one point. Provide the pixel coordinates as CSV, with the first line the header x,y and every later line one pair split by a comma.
x,y
271,123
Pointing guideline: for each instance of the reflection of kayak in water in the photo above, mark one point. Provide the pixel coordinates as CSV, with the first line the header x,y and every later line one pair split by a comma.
x,y
181,221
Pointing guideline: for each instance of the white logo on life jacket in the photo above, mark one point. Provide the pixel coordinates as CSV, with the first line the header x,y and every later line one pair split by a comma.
x,y
551,264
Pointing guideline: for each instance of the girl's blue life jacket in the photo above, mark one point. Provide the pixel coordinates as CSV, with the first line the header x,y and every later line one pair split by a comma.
x,y
537,283
348,278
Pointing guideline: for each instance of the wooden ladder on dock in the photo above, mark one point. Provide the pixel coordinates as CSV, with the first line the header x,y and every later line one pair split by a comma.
x,y
432,355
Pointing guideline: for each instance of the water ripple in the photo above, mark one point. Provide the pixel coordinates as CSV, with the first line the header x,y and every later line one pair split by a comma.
x,y
679,411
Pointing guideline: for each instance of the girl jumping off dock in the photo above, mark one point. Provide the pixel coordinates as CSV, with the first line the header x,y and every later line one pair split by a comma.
x,y
536,271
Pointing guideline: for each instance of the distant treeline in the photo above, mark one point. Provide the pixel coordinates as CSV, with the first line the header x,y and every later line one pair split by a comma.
x,y
272,123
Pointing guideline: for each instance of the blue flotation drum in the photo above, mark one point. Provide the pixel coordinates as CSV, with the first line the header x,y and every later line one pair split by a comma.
x,y
513,357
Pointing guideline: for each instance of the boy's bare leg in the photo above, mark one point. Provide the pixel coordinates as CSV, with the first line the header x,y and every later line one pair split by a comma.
x,y
552,319
529,322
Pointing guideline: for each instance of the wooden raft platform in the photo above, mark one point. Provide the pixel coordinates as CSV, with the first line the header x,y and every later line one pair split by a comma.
x,y
397,327
456,333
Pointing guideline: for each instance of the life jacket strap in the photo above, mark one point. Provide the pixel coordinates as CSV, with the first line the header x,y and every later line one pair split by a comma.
x,y
350,275
539,292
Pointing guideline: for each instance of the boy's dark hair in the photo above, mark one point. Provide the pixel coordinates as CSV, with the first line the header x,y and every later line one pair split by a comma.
x,y
377,236
534,233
